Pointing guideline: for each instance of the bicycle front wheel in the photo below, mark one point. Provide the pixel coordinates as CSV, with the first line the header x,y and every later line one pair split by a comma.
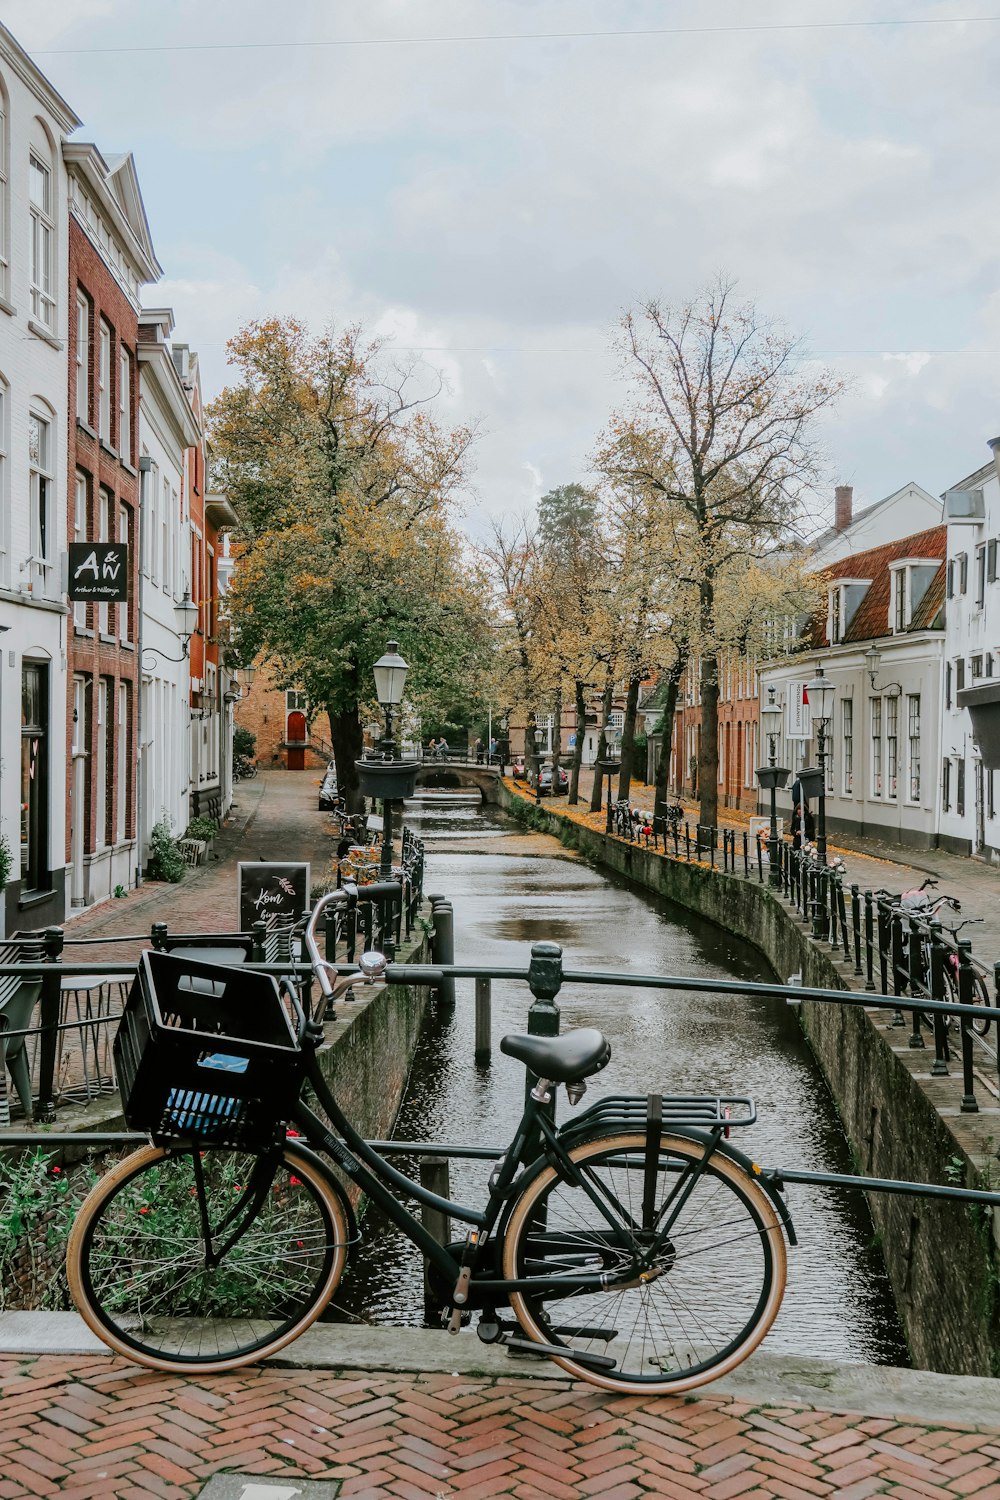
x,y
183,1257
705,1300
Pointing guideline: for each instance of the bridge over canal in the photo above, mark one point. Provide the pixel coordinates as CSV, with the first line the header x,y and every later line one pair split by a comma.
x,y
461,775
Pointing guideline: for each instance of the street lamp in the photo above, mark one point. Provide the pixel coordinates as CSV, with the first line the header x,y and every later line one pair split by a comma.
x,y
390,679
383,775
872,658
186,618
821,692
771,777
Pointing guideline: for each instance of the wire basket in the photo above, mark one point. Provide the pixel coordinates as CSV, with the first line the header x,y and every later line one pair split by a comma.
x,y
206,1052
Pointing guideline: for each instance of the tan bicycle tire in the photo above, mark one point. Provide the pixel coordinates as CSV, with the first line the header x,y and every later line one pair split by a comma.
x,y
726,1169
88,1215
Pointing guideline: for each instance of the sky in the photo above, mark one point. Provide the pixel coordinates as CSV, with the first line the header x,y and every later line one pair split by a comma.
x,y
492,183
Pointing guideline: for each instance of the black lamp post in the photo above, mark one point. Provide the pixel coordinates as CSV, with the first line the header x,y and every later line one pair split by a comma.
x,y
820,692
770,778
384,775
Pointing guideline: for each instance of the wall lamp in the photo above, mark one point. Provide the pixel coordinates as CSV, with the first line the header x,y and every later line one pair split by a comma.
x,y
873,657
186,615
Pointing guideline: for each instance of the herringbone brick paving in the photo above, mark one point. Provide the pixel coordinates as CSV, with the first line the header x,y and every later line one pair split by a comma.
x,y
98,1427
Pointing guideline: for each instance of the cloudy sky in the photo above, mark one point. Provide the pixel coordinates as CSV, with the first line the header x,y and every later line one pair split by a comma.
x,y
492,181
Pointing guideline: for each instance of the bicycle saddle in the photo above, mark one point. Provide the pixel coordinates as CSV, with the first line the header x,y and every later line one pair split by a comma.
x,y
561,1059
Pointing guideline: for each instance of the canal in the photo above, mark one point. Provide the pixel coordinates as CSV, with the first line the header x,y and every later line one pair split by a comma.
x,y
510,889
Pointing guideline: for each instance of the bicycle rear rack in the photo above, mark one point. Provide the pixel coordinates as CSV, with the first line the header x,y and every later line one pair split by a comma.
x,y
631,1112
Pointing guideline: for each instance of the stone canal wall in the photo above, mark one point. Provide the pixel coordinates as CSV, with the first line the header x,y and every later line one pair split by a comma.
x,y
943,1259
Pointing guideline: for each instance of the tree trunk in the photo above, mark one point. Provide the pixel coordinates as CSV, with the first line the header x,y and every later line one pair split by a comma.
x,y
348,743
581,730
557,740
662,797
628,739
708,753
602,745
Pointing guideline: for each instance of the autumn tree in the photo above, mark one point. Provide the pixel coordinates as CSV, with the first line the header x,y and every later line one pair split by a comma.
x,y
720,424
344,483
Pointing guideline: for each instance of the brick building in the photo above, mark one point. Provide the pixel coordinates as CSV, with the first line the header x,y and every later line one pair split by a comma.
x,y
277,717
110,258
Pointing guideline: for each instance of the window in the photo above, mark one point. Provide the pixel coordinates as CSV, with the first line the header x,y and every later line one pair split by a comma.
x,y
124,406
40,521
988,663
150,523
122,776
82,358
913,745
4,198
991,799
947,684
5,507
104,385
946,784
166,550
959,673
876,747
80,535
892,743
960,787
847,734
43,307
977,667
34,777
836,616
991,561
124,530
951,578
963,572
899,599
101,781
981,575
107,520
295,701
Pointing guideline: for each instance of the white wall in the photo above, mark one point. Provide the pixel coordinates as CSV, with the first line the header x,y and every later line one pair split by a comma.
x,y
909,510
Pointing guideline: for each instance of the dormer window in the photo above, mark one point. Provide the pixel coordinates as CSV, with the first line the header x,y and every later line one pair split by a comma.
x,y
843,599
909,582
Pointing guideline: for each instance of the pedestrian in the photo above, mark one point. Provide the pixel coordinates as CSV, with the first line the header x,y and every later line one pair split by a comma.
x,y
432,746
493,750
803,822
479,751
442,748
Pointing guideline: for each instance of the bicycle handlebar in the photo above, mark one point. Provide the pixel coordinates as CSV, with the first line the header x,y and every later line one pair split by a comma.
x,y
348,895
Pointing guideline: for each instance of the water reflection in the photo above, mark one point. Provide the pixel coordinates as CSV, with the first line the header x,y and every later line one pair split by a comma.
x,y
838,1302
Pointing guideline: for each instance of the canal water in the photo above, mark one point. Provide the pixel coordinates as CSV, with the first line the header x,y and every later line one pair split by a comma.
x,y
510,889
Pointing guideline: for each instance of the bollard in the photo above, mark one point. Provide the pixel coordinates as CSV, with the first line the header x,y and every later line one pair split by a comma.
x,y
434,1178
158,936
51,1000
443,949
484,1025
257,947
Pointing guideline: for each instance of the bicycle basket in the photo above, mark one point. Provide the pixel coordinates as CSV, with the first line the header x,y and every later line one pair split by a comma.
x,y
206,1052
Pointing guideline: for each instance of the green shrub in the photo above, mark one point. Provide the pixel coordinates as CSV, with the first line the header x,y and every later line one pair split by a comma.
x,y
166,862
244,743
6,861
202,827
38,1203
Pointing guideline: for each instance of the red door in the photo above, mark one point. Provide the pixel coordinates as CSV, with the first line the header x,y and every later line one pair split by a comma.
x,y
295,738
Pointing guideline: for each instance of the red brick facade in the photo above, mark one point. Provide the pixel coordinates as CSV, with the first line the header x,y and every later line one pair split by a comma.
x,y
103,504
266,711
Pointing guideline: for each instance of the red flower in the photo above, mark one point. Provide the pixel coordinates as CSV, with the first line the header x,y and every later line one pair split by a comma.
x,y
295,1181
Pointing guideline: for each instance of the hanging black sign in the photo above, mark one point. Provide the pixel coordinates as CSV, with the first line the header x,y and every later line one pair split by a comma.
x,y
99,571
269,891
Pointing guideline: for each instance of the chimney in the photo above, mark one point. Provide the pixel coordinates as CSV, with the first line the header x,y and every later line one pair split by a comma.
x,y
843,507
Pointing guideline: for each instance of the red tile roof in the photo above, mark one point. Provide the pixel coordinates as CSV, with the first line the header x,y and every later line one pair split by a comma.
x,y
872,616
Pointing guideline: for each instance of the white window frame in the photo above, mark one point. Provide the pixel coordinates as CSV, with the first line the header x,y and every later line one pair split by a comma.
x,y
124,405
913,747
4,198
5,509
80,535
107,527
124,518
101,769
42,243
41,490
847,745
151,524
121,749
104,385
82,357
892,747
875,733
165,546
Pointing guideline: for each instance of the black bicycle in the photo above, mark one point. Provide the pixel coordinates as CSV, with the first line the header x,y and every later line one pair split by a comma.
x,y
634,1245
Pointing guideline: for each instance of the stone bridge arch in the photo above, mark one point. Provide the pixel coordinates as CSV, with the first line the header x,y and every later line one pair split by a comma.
x,y
450,777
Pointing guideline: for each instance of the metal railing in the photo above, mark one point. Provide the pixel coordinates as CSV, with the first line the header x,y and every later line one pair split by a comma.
x,y
64,1041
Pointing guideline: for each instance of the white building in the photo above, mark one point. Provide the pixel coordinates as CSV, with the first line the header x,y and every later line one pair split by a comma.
x,y
969,811
882,739
903,513
167,429
34,122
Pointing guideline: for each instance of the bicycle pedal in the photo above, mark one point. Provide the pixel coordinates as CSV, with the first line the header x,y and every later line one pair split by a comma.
x,y
460,1296
459,1315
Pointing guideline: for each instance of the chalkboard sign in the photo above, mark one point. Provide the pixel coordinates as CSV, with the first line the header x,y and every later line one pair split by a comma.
x,y
272,893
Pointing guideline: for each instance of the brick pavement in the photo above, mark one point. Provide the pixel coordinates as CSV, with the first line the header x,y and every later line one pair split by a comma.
x,y
82,1427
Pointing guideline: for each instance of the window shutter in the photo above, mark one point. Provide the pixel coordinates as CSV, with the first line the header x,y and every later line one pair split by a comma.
x,y
991,560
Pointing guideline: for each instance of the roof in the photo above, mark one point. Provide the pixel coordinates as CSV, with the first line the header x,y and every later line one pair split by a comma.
x,y
871,618
14,55
114,182
832,534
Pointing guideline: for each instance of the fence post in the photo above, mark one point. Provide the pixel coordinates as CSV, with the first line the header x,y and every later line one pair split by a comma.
x,y
435,1177
259,931
869,941
51,999
443,949
966,995
484,1026
935,985
912,972
545,982
836,897
158,936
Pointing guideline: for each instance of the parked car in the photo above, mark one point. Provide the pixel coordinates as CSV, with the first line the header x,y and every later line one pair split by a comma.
x,y
519,770
329,796
545,781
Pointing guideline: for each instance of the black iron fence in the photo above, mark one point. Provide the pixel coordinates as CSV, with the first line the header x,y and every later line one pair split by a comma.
x,y
60,1000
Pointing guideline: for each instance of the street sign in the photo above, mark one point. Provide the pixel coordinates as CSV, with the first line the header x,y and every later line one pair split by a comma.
x,y
798,714
99,571
272,893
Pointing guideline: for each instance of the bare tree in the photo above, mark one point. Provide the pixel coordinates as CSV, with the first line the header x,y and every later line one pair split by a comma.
x,y
720,425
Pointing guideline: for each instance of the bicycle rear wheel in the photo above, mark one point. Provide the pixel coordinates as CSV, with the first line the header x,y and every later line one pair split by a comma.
x,y
144,1279
712,1291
